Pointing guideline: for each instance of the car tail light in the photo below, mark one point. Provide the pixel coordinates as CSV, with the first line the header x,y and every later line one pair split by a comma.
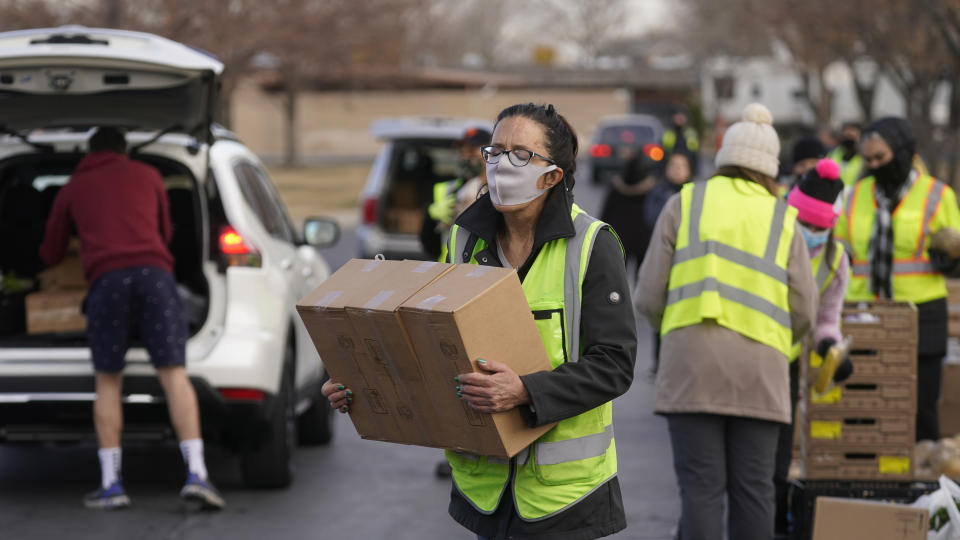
x,y
243,394
601,151
370,211
653,151
235,250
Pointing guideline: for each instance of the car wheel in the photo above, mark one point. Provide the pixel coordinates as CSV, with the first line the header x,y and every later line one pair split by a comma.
x,y
315,425
268,466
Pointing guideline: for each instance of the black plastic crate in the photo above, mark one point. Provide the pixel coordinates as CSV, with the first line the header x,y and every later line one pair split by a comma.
x,y
804,493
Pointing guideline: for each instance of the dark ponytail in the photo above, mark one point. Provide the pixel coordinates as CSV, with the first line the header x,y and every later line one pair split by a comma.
x,y
561,139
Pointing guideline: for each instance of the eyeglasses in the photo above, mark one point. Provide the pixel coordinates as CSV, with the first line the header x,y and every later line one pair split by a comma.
x,y
518,156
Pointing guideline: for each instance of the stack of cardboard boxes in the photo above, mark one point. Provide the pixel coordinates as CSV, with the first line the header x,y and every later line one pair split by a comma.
x,y
863,428
57,306
949,409
397,333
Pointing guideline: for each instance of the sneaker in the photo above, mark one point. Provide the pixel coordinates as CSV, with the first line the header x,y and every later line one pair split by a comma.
x,y
203,492
111,498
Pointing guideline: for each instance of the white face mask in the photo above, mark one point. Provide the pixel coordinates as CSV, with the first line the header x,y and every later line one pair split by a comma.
x,y
511,185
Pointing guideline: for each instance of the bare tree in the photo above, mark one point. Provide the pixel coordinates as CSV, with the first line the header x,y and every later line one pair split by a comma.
x,y
590,24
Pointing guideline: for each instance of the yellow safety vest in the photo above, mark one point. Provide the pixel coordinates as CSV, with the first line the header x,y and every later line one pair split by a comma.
x,y
823,272
579,454
689,136
849,170
730,261
928,206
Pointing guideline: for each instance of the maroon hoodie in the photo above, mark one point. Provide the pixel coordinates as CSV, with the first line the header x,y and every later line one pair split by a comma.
x,y
119,209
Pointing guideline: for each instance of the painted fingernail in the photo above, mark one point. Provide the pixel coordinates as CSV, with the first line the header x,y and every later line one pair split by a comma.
x,y
481,360
349,400
349,393
343,409
340,387
457,378
458,389
459,394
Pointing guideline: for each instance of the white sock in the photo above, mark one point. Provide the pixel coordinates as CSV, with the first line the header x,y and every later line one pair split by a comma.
x,y
192,450
109,466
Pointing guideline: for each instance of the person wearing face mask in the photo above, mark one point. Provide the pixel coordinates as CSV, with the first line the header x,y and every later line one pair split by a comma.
x,y
452,197
727,280
817,198
889,219
565,485
847,154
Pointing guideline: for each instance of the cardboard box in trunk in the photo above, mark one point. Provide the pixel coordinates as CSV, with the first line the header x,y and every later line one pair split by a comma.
x,y
949,406
469,313
346,357
55,311
856,519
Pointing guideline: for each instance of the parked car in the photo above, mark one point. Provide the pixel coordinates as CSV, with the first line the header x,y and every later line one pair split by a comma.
x,y
240,264
617,139
417,153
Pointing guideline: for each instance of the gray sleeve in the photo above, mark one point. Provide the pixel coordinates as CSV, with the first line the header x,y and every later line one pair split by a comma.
x,y
803,293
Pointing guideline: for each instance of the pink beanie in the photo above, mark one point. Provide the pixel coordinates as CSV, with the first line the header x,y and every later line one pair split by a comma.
x,y
816,196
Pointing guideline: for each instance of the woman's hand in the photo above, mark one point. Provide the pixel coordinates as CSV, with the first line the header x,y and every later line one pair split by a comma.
x,y
497,389
340,396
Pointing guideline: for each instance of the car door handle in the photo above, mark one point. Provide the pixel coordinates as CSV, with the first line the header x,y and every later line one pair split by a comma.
x,y
286,264
307,271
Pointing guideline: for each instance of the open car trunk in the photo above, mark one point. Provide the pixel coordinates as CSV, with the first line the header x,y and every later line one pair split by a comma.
x,y
28,186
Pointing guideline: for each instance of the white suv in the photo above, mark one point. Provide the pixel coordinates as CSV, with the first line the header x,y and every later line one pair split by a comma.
x,y
417,153
240,264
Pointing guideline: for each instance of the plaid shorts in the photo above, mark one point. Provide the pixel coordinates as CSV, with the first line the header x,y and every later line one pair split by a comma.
x,y
140,302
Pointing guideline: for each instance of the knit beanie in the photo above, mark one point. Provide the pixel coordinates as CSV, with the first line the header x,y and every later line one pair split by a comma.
x,y
808,147
816,197
752,143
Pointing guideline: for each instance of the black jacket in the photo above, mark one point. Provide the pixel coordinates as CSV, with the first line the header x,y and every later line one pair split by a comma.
x,y
604,371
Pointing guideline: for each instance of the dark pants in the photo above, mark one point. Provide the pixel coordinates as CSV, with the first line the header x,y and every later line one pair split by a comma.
x,y
929,371
785,452
717,455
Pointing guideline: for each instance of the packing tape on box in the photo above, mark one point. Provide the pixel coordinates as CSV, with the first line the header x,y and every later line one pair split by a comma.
x,y
424,267
328,298
894,465
820,429
429,303
380,298
371,265
479,271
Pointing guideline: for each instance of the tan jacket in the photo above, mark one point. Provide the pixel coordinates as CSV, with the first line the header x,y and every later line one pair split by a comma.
x,y
707,368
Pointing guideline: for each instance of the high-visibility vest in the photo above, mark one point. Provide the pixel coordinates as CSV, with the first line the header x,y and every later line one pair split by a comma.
x,y
730,261
928,206
849,170
823,273
443,207
578,454
689,136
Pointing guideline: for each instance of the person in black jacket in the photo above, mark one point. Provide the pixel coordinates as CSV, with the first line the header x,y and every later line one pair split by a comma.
x,y
564,486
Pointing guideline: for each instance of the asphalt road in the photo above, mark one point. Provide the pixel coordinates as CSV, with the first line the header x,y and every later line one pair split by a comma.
x,y
350,489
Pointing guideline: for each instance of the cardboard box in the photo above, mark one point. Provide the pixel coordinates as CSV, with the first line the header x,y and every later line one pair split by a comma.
x,y
476,312
880,323
344,354
404,220
865,393
856,519
55,311
872,428
416,397
858,462
949,406
67,275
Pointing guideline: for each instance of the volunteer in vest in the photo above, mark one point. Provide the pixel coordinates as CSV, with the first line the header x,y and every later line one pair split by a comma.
x,y
565,485
818,200
847,154
727,280
889,219
683,139
452,197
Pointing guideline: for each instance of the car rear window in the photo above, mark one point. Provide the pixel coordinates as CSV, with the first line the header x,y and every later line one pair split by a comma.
x,y
416,165
636,134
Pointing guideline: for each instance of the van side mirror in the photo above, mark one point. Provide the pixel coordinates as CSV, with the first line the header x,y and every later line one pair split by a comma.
x,y
320,232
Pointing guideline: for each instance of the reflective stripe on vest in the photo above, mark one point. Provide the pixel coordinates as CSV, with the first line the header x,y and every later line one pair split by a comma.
x,y
579,454
913,276
759,280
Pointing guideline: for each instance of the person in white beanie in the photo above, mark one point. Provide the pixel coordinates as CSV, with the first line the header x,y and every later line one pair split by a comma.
x,y
727,281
